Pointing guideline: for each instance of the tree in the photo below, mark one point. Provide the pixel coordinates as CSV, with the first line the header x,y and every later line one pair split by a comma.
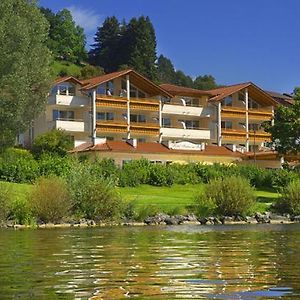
x,y
24,67
53,142
165,70
66,39
140,49
90,71
286,129
106,49
205,82
183,80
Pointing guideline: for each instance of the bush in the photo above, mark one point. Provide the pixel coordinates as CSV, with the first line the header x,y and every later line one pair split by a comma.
x,y
258,177
5,201
290,200
54,142
55,165
184,174
20,212
104,168
18,166
160,175
205,206
93,196
231,196
281,178
135,172
50,200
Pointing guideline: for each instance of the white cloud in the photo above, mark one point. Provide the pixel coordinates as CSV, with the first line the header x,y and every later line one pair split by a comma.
x,y
88,19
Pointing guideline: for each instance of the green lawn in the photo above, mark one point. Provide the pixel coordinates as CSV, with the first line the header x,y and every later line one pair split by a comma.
x,y
67,67
166,199
179,196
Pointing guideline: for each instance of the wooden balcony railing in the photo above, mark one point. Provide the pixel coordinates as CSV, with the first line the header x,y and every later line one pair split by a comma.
x,y
241,135
263,113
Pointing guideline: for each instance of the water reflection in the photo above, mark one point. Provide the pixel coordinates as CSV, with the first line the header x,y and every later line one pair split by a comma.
x,y
185,262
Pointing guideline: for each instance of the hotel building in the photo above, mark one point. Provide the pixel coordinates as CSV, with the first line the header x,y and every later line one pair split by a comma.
x,y
125,113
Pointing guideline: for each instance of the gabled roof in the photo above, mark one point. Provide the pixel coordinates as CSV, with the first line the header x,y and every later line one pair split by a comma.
x,y
135,78
176,90
283,99
121,146
254,90
67,78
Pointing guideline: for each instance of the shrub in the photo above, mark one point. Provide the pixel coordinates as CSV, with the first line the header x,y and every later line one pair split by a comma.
x,y
147,210
184,174
104,168
258,177
160,175
50,200
93,196
55,165
205,206
54,142
5,201
281,178
135,172
290,200
231,196
18,166
20,212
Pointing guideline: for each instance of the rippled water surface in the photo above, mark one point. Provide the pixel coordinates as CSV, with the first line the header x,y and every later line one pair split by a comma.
x,y
182,262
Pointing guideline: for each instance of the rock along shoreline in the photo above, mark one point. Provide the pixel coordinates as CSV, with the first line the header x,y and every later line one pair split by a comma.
x,y
164,219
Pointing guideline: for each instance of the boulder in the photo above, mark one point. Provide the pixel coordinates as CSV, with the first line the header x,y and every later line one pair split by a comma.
x,y
202,220
262,218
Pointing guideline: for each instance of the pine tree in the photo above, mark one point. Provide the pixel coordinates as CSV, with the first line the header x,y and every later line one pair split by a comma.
x,y
165,70
183,80
139,42
106,51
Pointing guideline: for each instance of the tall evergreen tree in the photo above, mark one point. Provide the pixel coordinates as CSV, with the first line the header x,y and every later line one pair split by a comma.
x,y
139,42
165,70
106,51
24,67
66,39
183,80
205,82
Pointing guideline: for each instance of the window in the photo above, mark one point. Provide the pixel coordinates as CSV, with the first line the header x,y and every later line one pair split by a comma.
x,y
166,122
226,124
105,116
191,124
64,88
67,115
106,88
138,118
241,96
253,127
227,101
253,104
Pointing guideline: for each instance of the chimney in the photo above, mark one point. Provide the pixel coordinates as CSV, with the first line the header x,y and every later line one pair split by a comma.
x,y
132,142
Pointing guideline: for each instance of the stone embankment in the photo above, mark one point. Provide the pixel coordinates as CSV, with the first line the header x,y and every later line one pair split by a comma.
x,y
164,219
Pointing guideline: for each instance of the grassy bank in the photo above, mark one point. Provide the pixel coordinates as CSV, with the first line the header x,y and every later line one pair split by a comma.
x,y
167,199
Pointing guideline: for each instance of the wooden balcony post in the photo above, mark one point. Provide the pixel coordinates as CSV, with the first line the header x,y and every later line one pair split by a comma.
x,y
94,120
219,124
247,118
160,121
128,105
273,116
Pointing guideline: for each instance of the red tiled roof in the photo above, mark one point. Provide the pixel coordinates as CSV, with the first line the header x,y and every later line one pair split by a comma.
x,y
136,78
176,90
283,99
120,146
67,78
223,92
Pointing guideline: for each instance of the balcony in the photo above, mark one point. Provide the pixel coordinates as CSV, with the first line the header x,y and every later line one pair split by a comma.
x,y
198,111
68,100
144,128
180,133
263,113
121,102
69,125
235,134
115,126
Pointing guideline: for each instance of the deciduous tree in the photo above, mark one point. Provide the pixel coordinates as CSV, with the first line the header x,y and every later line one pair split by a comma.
x,y
24,67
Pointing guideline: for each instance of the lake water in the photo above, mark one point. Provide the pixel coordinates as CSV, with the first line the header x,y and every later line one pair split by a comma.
x,y
180,262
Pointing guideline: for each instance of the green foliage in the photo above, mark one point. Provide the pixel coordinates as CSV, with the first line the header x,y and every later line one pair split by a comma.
x,y
20,211
62,68
18,166
231,196
165,70
184,174
55,165
66,40
54,142
24,67
286,129
5,200
290,200
50,200
205,82
204,206
147,210
160,175
135,172
93,196
89,71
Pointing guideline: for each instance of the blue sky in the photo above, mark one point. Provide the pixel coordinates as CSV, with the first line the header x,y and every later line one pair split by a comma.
x,y
233,40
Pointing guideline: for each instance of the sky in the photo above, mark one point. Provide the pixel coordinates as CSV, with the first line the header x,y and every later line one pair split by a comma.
x,y
233,40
